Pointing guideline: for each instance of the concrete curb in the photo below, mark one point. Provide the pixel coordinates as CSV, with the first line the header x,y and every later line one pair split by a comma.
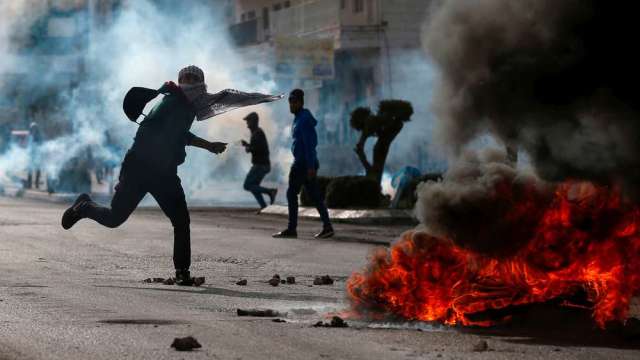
x,y
361,216
59,198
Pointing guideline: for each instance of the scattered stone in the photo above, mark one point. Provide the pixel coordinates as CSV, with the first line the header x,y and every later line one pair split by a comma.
x,y
283,281
259,313
336,322
274,281
481,346
147,280
279,320
323,280
291,280
185,344
197,281
158,280
276,276
242,282
169,281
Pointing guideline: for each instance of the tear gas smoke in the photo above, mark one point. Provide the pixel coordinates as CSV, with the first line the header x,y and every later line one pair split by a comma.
x,y
145,45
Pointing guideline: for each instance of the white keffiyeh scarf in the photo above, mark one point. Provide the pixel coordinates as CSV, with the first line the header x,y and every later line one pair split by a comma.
x,y
209,105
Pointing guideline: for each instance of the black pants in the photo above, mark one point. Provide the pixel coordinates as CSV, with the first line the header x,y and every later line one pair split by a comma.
x,y
136,180
297,179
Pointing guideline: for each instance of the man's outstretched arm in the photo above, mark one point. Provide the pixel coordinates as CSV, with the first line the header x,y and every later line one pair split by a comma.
x,y
214,147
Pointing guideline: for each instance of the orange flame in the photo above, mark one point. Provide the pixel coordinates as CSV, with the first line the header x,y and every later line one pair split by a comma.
x,y
586,240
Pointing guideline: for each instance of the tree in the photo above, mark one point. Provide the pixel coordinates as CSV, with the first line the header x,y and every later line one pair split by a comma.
x,y
385,125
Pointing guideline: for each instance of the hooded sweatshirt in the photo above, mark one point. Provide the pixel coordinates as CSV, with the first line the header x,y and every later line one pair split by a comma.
x,y
162,136
305,140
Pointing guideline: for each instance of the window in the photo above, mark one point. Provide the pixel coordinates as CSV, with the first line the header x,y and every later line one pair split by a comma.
x,y
243,17
358,6
265,18
287,4
252,15
343,4
277,7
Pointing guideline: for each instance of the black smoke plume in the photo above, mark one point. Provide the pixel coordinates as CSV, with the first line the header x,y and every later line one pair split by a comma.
x,y
557,79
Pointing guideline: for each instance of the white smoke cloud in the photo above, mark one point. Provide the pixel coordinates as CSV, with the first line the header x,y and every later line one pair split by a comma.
x,y
146,46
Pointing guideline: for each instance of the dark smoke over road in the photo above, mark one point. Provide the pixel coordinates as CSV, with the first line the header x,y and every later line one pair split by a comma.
x,y
555,78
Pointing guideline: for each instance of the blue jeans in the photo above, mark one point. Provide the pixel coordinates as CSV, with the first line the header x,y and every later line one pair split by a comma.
x,y
253,180
297,179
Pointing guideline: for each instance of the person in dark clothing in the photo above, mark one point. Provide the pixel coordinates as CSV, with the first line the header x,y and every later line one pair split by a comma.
x,y
304,169
260,164
35,141
150,166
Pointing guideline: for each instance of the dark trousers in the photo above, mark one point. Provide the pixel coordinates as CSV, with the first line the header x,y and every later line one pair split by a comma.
x,y
135,182
253,180
297,179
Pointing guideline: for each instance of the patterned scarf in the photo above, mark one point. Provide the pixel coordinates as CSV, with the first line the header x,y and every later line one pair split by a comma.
x,y
209,105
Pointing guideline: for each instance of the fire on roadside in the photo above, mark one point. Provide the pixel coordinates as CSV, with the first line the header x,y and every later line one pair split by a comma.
x,y
583,250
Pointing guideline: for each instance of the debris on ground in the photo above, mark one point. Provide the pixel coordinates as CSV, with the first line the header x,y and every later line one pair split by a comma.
x,y
279,320
185,344
260,313
153,280
275,280
242,282
291,280
283,281
194,281
481,346
336,322
323,280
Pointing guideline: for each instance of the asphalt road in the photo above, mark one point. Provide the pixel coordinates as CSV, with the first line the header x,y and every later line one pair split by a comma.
x,y
79,294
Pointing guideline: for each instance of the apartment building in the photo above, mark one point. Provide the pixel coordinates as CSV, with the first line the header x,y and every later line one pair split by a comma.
x,y
366,42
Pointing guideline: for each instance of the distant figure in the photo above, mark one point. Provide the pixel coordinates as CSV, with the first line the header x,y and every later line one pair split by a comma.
x,y
400,181
260,164
304,168
35,140
151,165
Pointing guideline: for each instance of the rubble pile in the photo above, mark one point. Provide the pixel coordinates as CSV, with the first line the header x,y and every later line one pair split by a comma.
x,y
323,280
185,344
336,322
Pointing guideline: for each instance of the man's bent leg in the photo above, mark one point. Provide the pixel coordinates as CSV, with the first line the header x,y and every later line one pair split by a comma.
x,y
128,195
252,184
313,189
169,194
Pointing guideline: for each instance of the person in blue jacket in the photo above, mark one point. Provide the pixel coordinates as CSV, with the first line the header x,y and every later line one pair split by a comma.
x,y
304,169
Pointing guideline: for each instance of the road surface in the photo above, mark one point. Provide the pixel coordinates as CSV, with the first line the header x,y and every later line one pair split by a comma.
x,y
79,294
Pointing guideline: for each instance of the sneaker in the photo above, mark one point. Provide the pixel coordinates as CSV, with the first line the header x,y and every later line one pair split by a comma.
x,y
71,216
272,195
326,232
288,233
183,278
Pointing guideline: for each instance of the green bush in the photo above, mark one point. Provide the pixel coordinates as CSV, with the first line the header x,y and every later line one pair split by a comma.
x,y
348,192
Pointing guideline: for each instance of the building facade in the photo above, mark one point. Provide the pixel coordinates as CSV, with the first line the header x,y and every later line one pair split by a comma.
x,y
365,43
